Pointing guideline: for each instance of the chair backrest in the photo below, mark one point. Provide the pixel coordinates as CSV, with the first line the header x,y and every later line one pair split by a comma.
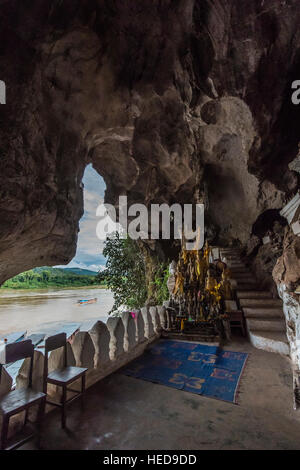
x,y
55,342
51,344
15,352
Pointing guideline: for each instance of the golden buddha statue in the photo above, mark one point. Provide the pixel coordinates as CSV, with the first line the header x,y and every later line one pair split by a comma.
x,y
210,282
225,285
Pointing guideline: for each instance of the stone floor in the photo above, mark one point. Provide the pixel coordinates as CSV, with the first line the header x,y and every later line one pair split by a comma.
x,y
126,413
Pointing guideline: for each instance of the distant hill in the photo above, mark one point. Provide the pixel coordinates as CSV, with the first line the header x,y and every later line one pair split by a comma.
x,y
83,272
46,276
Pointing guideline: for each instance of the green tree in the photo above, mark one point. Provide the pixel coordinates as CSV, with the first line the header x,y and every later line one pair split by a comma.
x,y
160,282
125,272
45,276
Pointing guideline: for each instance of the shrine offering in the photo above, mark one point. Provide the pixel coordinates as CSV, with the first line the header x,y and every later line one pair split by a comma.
x,y
201,287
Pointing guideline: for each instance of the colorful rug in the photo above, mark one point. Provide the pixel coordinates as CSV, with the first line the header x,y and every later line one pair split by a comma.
x,y
197,368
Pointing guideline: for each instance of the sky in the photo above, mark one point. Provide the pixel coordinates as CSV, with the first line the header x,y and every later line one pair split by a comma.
x,y
89,247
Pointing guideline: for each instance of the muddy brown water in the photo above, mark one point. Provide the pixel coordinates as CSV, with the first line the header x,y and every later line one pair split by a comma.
x,y
29,309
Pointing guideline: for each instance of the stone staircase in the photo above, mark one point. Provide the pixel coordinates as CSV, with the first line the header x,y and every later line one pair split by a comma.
x,y
263,314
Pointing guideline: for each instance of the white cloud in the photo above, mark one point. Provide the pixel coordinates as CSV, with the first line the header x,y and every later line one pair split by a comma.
x,y
91,267
89,247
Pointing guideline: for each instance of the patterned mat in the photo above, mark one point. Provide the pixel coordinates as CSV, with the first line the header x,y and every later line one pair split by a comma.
x,y
197,368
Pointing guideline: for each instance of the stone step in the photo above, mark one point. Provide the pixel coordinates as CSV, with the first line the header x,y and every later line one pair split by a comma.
x,y
248,280
261,312
266,324
243,276
240,271
230,250
274,341
234,260
251,281
235,264
265,303
253,294
229,256
236,269
242,268
245,280
246,286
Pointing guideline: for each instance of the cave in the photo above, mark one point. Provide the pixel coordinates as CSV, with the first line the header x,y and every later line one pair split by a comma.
x,y
106,84
185,101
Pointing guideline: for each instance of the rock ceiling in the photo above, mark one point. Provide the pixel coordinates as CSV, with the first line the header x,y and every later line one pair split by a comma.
x,y
173,101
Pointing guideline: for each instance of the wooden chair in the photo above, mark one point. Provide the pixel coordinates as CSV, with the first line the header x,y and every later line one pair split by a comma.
x,y
21,399
62,377
236,320
235,316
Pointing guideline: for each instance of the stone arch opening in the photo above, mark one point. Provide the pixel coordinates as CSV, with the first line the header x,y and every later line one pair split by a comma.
x,y
89,248
265,222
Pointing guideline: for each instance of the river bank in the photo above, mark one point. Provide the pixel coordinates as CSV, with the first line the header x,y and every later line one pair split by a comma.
x,y
48,277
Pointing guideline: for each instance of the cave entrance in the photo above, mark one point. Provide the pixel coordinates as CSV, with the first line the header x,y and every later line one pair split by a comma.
x,y
46,299
89,248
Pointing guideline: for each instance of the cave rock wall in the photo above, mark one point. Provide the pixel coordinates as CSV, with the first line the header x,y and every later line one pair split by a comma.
x,y
171,101
286,274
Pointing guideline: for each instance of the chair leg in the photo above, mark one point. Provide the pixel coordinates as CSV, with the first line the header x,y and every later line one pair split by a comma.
x,y
26,416
243,328
40,419
82,390
63,407
4,432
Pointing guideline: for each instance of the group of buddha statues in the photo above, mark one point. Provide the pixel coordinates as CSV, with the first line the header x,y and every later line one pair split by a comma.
x,y
202,284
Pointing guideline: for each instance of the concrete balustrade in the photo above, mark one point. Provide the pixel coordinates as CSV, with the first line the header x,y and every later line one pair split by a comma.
x,y
55,361
56,358
100,336
162,313
6,382
5,385
155,320
140,326
149,329
83,349
166,304
130,331
117,332
37,372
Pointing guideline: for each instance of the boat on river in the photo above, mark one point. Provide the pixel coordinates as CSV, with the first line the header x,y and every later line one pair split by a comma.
x,y
87,301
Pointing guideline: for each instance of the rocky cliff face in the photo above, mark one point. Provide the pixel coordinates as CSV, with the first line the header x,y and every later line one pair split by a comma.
x,y
174,101
286,274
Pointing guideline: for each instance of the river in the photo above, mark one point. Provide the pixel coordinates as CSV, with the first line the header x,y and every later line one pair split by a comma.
x,y
29,309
